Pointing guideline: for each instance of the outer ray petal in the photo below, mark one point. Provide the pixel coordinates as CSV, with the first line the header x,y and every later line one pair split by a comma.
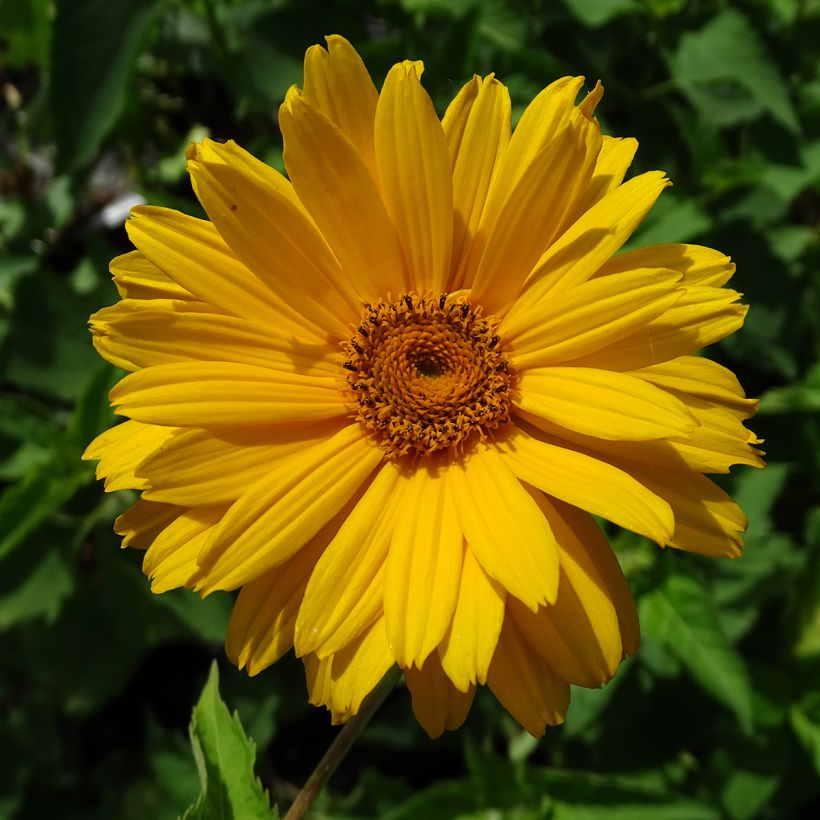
x,y
468,646
613,161
702,316
338,86
143,521
204,467
588,483
703,378
423,571
589,543
697,265
336,186
223,394
195,256
437,704
171,560
135,333
533,191
477,127
354,672
121,448
504,527
282,511
525,684
257,212
582,320
580,632
602,403
344,594
415,176
588,243
264,615
135,277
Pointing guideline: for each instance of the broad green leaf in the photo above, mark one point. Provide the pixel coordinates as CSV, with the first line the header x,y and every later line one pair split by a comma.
x,y
672,220
594,13
36,589
681,614
799,397
729,75
591,796
805,720
93,47
225,759
27,504
807,610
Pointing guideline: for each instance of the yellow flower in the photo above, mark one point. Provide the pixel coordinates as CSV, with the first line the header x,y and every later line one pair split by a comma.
x,y
384,396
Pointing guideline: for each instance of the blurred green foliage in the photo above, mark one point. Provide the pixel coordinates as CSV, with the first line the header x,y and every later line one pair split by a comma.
x,y
719,714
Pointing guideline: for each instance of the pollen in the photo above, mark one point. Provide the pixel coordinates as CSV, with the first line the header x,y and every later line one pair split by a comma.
x,y
427,373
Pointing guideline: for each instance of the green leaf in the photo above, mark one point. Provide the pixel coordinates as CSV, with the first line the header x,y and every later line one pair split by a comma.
x,y
594,13
28,591
27,504
592,796
728,74
681,614
805,720
798,397
225,758
93,47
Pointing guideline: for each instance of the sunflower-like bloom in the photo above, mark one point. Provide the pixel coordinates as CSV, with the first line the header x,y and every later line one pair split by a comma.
x,y
385,396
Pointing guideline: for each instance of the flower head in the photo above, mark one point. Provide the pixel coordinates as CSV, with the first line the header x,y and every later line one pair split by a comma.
x,y
384,397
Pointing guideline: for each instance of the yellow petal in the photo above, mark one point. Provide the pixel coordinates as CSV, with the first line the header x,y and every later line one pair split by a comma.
x,y
700,377
264,615
171,561
338,86
590,484
143,521
282,511
698,265
468,646
257,212
415,176
588,243
583,616
525,684
589,540
136,277
720,441
195,256
204,467
344,594
521,221
336,186
121,449
437,704
222,394
703,315
504,527
583,319
477,127
135,333
613,161
350,675
423,571
601,403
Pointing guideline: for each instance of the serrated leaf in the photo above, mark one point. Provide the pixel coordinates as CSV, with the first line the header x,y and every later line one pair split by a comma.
x,y
225,757
681,614
94,44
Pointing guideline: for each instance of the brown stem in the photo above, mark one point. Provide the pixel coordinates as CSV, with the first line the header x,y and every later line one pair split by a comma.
x,y
341,745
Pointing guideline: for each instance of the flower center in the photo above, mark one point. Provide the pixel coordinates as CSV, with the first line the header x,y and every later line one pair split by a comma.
x,y
426,373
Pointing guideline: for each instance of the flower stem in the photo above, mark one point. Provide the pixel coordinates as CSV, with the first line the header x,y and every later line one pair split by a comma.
x,y
341,745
